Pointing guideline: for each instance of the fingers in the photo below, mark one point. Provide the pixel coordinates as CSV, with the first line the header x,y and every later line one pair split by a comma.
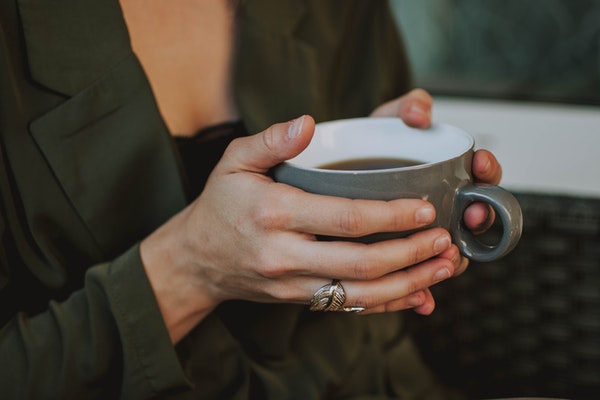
x,y
261,152
292,210
400,290
460,263
379,277
421,302
403,289
358,261
407,289
479,217
334,216
428,303
414,108
486,168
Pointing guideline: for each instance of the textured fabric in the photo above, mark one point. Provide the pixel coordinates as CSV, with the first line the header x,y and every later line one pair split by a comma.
x,y
88,168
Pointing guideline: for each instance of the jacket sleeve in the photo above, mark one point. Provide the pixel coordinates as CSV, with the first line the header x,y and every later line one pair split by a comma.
x,y
104,337
106,340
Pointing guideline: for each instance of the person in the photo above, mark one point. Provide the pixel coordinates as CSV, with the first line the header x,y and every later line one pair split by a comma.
x,y
144,249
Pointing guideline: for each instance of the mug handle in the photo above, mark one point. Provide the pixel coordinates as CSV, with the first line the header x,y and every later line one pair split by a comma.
x,y
507,208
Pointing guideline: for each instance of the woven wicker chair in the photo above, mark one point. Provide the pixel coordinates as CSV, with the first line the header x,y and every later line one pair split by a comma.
x,y
529,324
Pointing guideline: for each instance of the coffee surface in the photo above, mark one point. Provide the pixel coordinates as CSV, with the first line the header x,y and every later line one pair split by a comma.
x,y
362,164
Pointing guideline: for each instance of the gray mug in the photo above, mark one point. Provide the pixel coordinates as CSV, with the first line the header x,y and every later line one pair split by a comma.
x,y
383,159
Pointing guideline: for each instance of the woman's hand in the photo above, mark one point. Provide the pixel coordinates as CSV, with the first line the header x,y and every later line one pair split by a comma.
x,y
414,109
248,237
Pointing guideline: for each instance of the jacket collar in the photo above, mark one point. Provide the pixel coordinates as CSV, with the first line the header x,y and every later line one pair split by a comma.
x,y
70,43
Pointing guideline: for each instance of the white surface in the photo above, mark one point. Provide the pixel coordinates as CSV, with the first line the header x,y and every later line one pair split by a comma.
x,y
546,148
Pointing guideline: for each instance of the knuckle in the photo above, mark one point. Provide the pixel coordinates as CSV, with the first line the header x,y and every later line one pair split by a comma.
x,y
270,268
363,268
282,293
235,146
411,283
268,214
398,222
414,253
413,286
366,301
391,307
351,222
268,138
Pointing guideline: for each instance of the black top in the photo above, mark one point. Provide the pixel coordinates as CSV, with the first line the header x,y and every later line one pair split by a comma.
x,y
201,152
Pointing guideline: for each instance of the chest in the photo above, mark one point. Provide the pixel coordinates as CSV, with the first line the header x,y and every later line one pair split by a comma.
x,y
186,49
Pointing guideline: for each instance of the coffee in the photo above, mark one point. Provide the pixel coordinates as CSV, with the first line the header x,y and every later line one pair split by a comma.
x,y
362,164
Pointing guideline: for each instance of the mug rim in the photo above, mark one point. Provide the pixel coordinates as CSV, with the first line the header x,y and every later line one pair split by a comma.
x,y
435,126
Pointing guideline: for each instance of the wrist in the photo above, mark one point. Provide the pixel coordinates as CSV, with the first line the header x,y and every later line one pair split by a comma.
x,y
182,299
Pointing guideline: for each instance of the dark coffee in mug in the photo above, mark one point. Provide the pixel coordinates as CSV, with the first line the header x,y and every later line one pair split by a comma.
x,y
370,163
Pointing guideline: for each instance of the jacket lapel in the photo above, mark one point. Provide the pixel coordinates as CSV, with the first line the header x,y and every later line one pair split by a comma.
x,y
71,42
106,143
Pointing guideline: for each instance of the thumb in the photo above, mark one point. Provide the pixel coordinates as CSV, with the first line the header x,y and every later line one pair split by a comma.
x,y
261,152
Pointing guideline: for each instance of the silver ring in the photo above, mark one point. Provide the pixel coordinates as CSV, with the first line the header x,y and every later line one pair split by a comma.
x,y
331,297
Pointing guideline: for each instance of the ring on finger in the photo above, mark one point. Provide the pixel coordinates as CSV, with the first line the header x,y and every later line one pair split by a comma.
x,y
331,297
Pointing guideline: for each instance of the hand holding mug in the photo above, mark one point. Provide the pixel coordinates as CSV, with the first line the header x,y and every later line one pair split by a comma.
x,y
249,238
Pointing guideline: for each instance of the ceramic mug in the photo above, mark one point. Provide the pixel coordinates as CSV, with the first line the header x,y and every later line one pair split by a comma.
x,y
384,159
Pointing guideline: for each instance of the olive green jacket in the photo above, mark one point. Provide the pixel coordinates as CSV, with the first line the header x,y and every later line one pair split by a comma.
x,y
88,168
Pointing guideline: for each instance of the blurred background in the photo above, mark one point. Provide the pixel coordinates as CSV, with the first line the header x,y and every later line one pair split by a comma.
x,y
522,76
531,49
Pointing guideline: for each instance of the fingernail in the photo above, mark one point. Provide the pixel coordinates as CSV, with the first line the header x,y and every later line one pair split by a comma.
x,y
456,259
414,300
417,109
441,275
425,215
442,243
295,127
487,167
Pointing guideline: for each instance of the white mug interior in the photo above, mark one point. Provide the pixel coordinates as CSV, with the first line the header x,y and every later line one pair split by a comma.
x,y
361,138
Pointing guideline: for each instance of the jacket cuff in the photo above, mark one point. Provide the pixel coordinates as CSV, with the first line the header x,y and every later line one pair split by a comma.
x,y
151,366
